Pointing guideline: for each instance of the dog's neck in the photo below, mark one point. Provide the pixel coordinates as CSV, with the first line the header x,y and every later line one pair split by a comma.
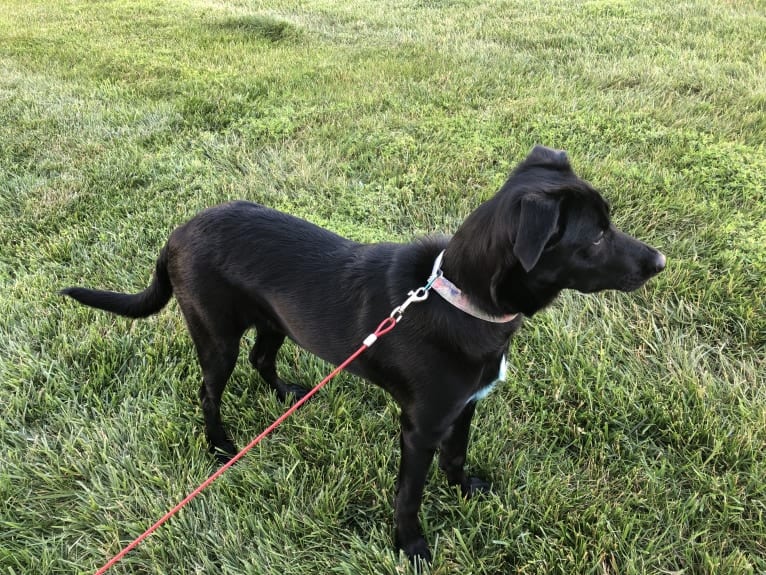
x,y
479,258
455,296
514,288
497,292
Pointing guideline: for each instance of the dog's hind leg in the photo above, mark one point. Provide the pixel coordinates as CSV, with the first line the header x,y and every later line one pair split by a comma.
x,y
217,352
263,357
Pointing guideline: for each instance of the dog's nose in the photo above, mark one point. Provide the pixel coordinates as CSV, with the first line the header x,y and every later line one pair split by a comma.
x,y
659,262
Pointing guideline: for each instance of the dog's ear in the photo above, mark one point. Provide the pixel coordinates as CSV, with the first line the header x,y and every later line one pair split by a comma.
x,y
538,221
541,155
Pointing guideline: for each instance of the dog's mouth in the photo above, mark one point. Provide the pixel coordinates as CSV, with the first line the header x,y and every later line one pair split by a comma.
x,y
632,286
627,284
632,283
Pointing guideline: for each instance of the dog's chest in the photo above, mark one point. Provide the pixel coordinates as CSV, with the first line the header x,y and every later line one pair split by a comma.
x,y
485,391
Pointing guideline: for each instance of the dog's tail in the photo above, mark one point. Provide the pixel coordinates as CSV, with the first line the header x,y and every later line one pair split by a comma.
x,y
142,304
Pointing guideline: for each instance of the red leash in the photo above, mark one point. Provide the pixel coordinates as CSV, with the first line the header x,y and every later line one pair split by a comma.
x,y
386,325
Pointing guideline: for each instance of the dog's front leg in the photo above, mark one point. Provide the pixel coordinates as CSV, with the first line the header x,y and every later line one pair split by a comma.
x,y
452,454
417,452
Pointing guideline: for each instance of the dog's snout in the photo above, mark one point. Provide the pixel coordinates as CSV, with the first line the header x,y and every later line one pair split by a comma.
x,y
659,262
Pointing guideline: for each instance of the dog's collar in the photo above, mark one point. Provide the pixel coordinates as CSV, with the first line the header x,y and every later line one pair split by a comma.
x,y
452,294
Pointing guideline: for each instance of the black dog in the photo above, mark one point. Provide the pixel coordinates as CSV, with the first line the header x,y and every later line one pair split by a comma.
x,y
242,265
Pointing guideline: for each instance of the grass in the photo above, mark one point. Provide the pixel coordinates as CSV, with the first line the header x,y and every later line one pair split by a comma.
x,y
631,433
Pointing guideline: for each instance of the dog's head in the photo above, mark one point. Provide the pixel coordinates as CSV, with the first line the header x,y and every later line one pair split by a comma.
x,y
548,230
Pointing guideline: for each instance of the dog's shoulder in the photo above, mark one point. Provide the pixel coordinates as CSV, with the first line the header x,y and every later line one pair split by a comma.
x,y
412,263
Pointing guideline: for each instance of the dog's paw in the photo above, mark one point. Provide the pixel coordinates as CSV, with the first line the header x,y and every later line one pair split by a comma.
x,y
290,393
417,552
473,486
219,460
223,452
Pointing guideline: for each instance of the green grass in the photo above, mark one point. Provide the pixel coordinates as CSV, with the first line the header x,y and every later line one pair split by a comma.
x,y
630,436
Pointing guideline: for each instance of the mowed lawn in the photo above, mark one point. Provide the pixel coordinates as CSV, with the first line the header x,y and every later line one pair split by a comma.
x,y
630,436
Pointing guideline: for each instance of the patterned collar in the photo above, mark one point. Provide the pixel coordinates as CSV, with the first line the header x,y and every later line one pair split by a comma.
x,y
452,294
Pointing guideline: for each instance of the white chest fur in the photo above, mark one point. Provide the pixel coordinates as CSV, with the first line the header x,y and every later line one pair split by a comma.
x,y
484,391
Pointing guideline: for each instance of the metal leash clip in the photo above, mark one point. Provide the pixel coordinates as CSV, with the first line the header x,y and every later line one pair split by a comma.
x,y
417,295
421,293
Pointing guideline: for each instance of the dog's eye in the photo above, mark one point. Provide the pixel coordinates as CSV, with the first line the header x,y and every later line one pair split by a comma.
x,y
599,239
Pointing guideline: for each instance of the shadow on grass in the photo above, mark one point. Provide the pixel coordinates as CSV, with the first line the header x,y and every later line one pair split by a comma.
x,y
261,27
